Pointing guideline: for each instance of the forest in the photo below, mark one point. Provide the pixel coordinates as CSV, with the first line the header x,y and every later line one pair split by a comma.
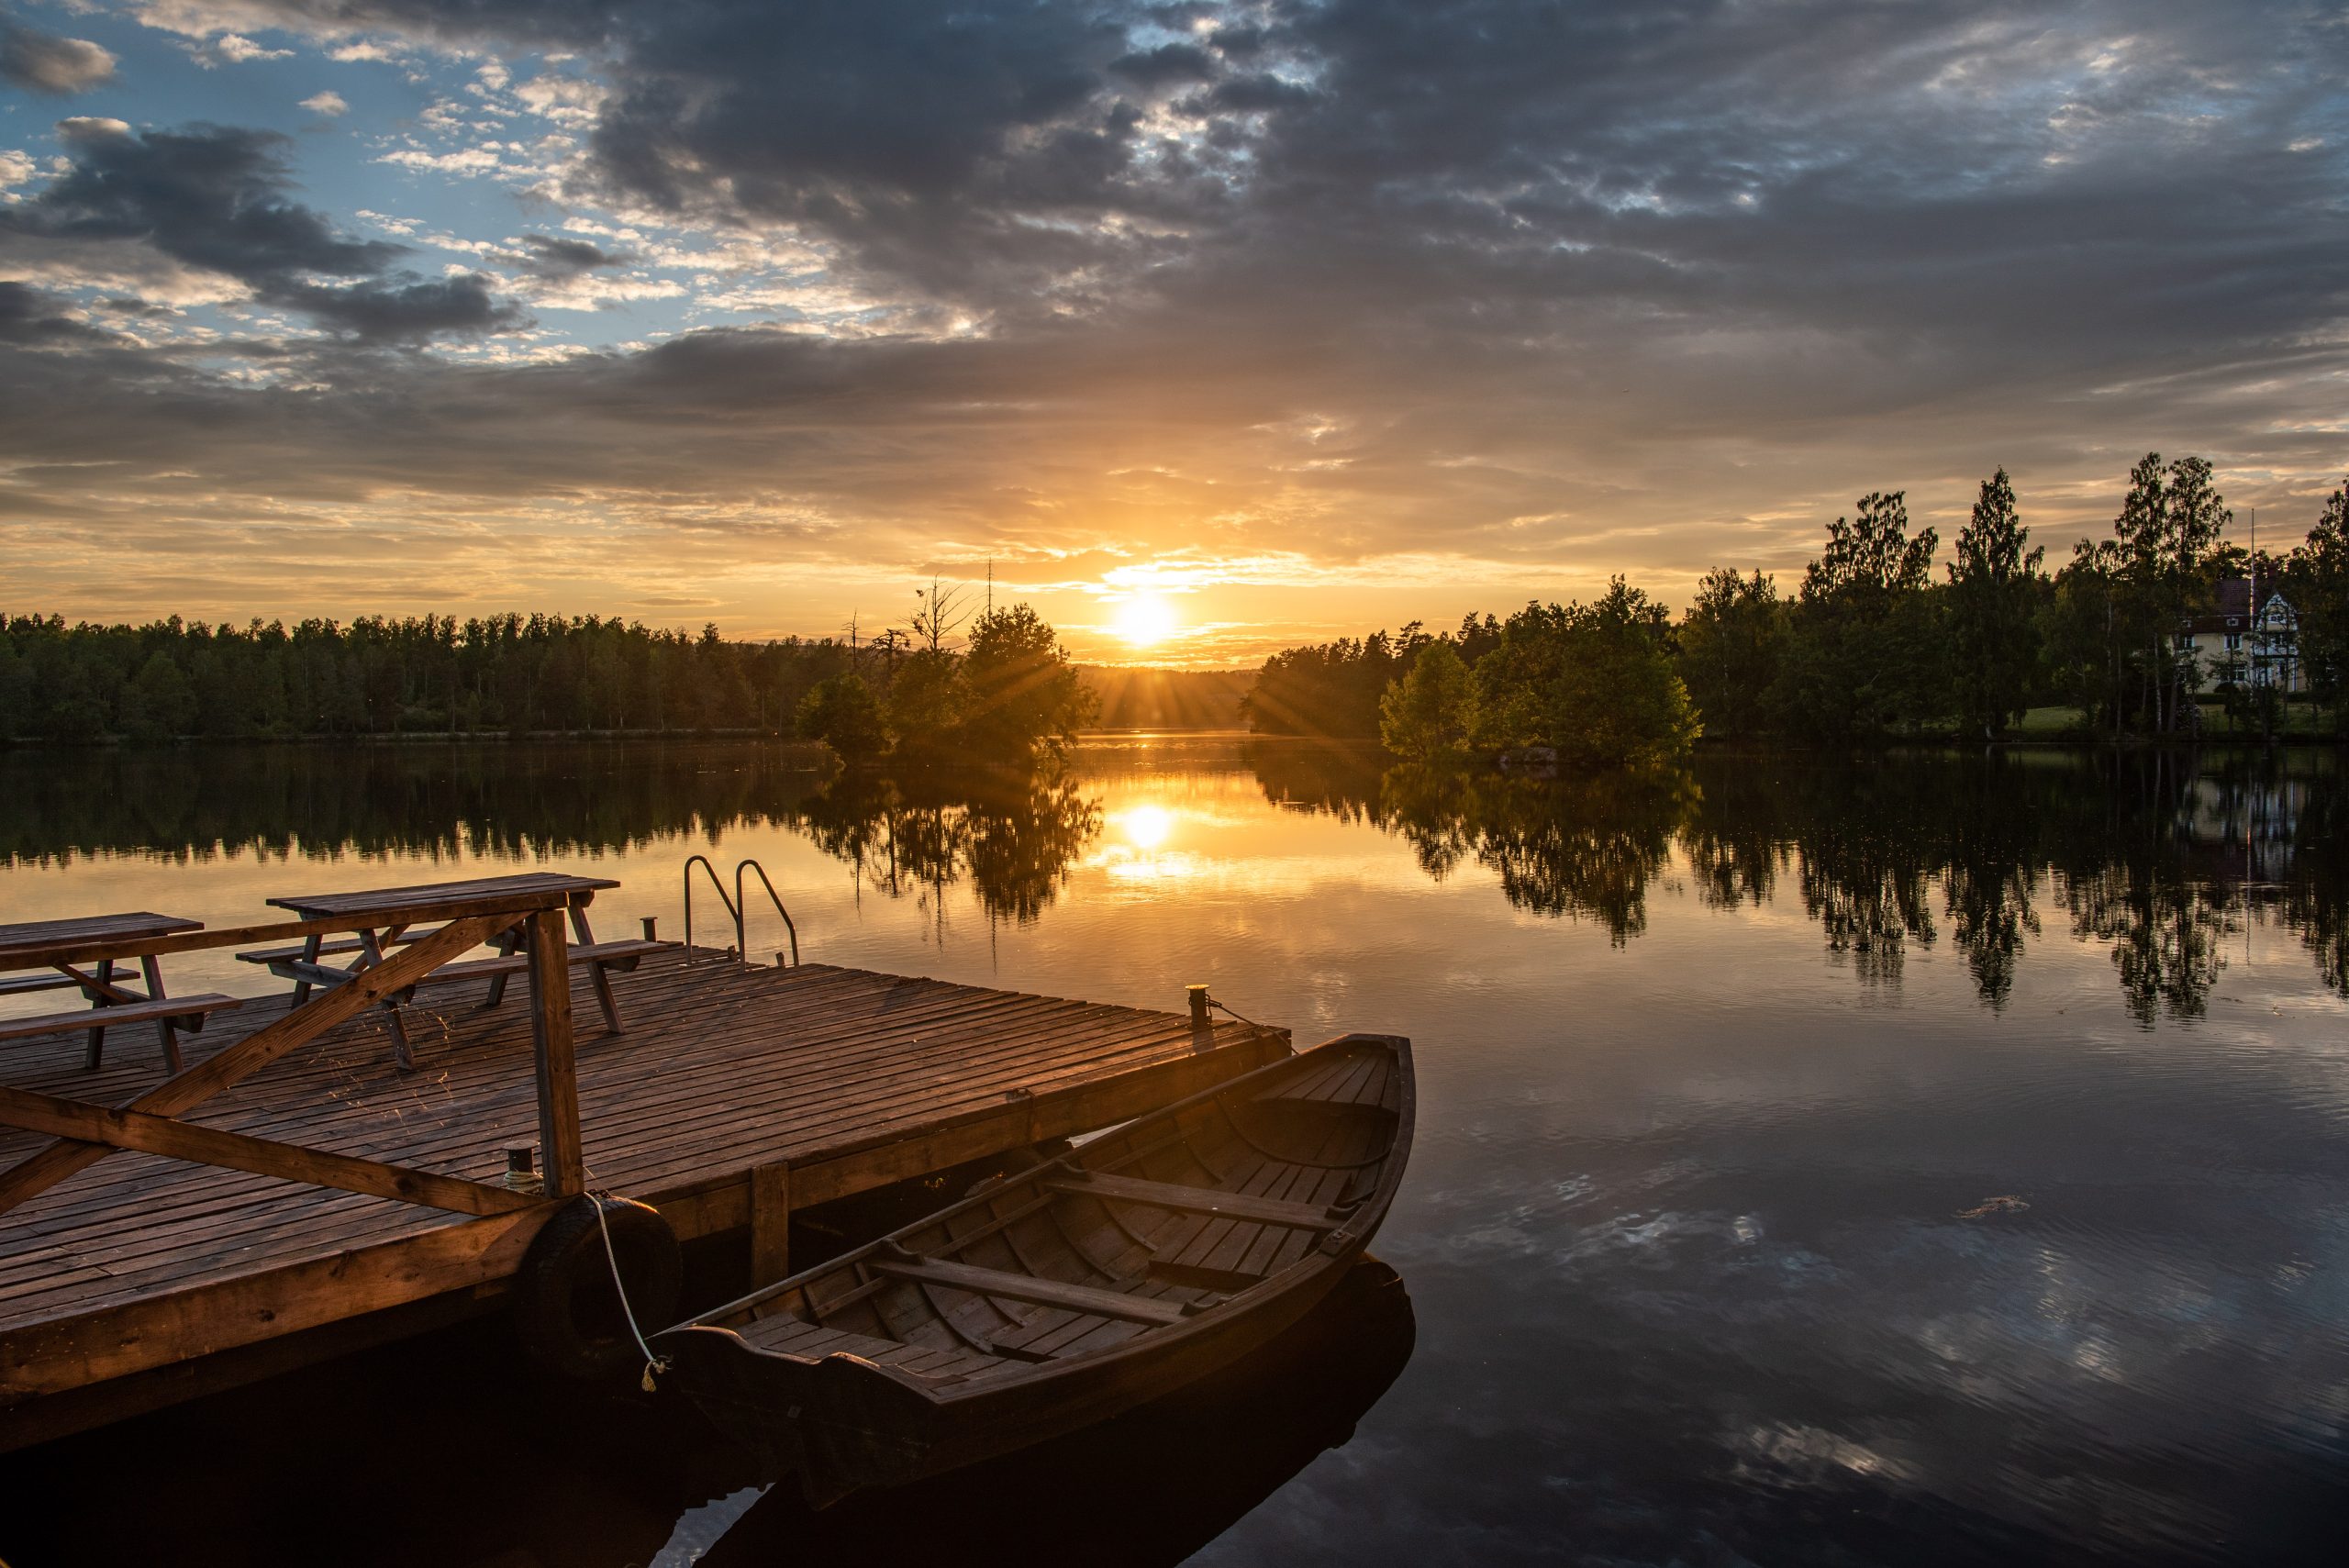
x,y
516,675
1872,644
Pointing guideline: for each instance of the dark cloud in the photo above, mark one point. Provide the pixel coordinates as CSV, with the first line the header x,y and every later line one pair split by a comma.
x,y
213,197
216,198
34,318
44,62
1618,285
1168,63
404,310
547,256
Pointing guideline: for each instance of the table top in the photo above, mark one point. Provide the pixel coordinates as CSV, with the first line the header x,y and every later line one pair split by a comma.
x,y
376,900
93,928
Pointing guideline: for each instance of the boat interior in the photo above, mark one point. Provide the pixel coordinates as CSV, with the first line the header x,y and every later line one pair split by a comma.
x,y
1137,1231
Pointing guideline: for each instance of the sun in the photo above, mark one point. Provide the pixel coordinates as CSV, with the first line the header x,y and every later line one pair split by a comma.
x,y
1144,620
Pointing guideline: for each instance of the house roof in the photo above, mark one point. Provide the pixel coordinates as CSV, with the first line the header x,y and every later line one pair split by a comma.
x,y
2230,608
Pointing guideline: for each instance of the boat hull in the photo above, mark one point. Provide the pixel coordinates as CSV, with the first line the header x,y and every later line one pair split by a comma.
x,y
1068,1294
845,1424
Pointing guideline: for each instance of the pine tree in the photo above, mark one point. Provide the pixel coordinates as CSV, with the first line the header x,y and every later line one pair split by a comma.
x,y
1994,586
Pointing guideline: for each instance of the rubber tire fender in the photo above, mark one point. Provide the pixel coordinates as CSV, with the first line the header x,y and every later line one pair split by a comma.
x,y
565,1312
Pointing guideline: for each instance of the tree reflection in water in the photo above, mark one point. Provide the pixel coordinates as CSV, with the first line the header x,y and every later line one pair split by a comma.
x,y
2161,856
1013,837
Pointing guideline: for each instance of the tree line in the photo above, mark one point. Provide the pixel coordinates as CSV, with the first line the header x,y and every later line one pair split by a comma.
x,y
1872,644
378,676
1008,691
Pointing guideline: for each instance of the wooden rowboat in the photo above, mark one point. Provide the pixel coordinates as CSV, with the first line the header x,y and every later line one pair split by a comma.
x,y
1063,1294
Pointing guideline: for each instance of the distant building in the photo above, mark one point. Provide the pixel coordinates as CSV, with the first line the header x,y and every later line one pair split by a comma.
x,y
2230,645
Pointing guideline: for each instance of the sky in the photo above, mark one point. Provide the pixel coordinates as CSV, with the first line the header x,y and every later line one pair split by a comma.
x,y
1205,327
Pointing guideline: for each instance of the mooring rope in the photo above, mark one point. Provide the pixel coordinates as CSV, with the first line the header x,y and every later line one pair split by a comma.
x,y
1235,1013
652,1364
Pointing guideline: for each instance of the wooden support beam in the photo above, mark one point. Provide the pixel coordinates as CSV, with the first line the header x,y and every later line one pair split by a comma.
x,y
770,1223
45,1358
238,1152
36,1174
556,1056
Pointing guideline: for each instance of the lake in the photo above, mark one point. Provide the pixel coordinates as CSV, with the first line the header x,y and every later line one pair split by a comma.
x,y
1915,1159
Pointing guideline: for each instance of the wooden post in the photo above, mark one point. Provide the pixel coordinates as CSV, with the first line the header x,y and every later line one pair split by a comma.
x,y
770,1223
551,1044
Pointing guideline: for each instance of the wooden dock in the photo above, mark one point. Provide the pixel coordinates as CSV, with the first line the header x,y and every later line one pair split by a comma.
x,y
736,1095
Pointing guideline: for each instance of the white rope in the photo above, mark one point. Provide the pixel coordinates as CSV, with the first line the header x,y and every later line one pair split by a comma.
x,y
652,1364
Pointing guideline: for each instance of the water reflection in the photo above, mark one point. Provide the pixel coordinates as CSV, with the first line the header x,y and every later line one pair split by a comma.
x,y
1013,837
2162,858
314,802
548,1477
1149,1489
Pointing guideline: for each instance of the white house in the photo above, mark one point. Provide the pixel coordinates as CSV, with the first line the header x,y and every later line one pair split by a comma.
x,y
2229,644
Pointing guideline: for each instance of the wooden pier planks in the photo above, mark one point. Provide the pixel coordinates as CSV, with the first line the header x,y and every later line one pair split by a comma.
x,y
851,1079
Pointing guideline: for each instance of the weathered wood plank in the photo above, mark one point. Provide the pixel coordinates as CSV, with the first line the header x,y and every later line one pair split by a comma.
x,y
554,1052
770,1223
43,1358
1198,1200
1003,1285
258,1156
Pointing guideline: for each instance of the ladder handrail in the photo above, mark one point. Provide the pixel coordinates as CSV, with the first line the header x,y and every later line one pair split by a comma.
x,y
715,886
742,908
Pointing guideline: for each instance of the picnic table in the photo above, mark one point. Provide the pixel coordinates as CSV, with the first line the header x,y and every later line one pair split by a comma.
x,y
379,922
111,1002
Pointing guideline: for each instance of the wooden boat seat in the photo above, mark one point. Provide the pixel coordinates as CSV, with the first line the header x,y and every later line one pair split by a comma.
x,y
813,1342
1202,1200
1004,1287
191,1009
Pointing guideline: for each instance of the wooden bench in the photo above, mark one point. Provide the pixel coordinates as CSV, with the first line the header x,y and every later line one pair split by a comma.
x,y
21,947
340,946
376,927
180,1012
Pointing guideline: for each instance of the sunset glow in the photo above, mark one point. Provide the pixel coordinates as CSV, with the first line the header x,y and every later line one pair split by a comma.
x,y
1144,621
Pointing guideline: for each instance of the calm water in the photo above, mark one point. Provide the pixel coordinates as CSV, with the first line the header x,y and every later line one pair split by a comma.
x,y
1915,1160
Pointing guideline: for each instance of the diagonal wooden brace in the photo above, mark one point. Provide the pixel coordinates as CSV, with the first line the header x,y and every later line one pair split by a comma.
x,y
240,1151
38,1173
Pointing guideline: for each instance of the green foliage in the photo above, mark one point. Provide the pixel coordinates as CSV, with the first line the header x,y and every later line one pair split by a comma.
x,y
376,676
1430,713
1994,596
1594,681
1732,642
1864,661
843,714
1022,694
159,704
1331,688
2320,577
928,698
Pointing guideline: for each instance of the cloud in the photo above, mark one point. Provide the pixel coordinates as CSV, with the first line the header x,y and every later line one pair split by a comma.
x,y
44,62
329,104
1513,288
552,257
215,199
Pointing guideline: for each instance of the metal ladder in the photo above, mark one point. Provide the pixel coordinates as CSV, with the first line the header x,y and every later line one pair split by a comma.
x,y
736,906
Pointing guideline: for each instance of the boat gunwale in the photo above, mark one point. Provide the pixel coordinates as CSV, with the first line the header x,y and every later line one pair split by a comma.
x,y
1337,1249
